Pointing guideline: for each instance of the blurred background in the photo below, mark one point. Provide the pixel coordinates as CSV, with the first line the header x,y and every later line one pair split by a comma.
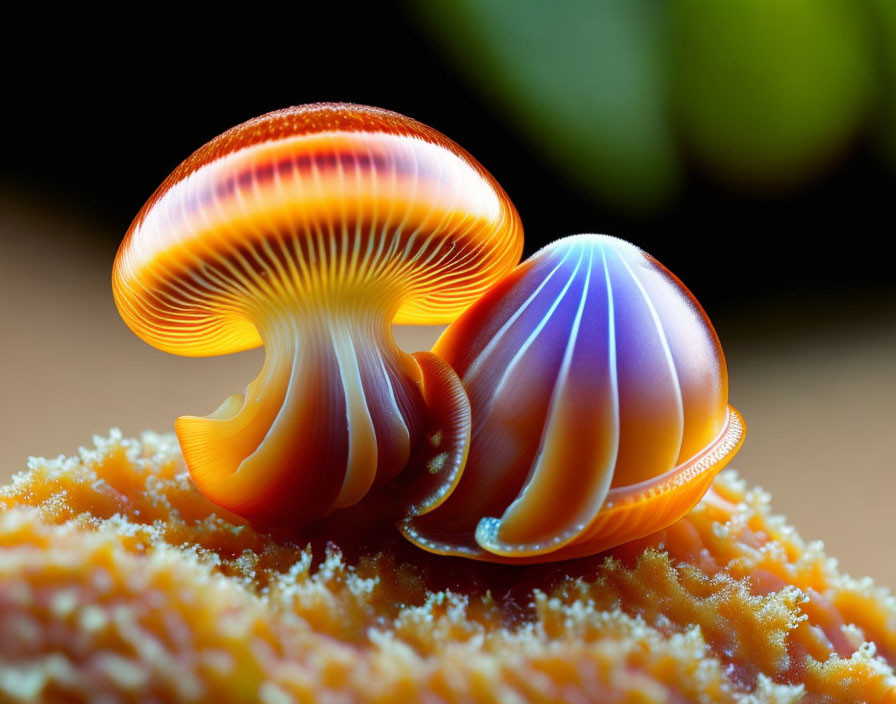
x,y
749,145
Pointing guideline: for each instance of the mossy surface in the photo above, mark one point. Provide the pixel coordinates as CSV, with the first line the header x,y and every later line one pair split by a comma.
x,y
119,580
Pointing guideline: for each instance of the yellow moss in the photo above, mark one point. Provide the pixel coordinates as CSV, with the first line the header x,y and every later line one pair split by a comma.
x,y
119,580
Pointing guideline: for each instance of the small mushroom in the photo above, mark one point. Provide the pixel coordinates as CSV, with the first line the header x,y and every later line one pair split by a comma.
x,y
599,398
311,230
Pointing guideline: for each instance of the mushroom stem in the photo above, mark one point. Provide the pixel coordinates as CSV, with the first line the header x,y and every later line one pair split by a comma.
x,y
336,409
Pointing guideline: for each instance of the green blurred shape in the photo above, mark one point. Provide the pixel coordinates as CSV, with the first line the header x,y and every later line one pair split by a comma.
x,y
770,92
884,15
586,79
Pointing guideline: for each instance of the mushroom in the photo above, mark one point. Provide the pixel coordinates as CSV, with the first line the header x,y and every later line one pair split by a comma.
x,y
599,399
311,230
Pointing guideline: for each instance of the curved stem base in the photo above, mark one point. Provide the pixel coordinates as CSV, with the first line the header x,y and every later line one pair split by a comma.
x,y
337,410
628,513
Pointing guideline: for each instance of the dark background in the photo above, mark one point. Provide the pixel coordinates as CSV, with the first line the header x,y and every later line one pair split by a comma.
x,y
99,109
99,117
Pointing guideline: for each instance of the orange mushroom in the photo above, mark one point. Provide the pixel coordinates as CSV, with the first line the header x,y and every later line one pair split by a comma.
x,y
599,399
310,230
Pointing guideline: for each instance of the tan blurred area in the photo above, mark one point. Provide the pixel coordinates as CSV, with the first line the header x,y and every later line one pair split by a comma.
x,y
816,384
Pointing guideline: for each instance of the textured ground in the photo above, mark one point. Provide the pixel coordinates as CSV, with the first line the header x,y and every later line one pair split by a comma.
x,y
118,581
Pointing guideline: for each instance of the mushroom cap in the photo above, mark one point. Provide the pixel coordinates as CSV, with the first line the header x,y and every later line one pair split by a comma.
x,y
599,397
331,202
